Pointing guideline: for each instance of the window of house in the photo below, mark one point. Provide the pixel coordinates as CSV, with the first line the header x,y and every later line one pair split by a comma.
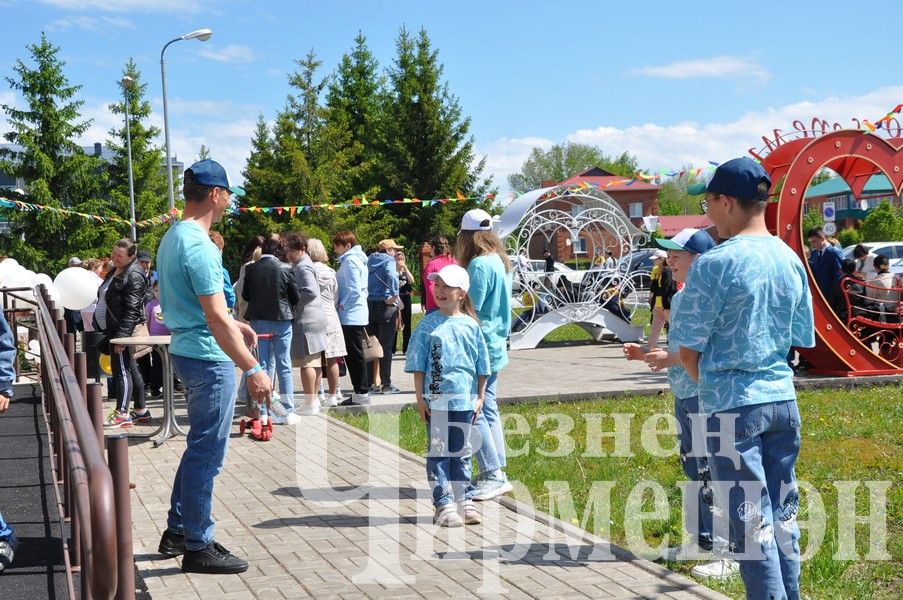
x,y
579,246
636,210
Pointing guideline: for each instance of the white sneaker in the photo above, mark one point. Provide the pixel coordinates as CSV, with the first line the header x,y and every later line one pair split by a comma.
x,y
331,401
309,408
360,398
448,516
491,486
292,419
688,551
470,513
719,569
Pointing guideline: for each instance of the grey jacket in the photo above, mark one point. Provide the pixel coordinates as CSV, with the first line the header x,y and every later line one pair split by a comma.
x,y
309,319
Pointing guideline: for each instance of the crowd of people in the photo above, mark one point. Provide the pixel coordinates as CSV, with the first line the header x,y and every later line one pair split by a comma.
x,y
732,323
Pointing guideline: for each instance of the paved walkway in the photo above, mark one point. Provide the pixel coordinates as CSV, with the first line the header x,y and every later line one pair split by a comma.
x,y
325,511
363,529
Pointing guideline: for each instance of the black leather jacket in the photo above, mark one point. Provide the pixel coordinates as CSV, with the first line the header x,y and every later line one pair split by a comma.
x,y
125,301
270,290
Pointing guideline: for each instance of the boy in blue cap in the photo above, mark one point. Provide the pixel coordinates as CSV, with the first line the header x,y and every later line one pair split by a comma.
x,y
746,302
683,250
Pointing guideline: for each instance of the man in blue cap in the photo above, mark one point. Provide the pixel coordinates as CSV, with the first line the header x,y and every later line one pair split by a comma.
x,y
745,303
207,344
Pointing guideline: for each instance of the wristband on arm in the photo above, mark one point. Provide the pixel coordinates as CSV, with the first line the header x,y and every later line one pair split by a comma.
x,y
255,369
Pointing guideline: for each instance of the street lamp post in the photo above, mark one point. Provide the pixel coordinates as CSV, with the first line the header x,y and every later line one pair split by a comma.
x,y
127,83
201,35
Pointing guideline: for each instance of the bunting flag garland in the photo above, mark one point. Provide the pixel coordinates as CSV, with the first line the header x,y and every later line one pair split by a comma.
x,y
871,127
279,210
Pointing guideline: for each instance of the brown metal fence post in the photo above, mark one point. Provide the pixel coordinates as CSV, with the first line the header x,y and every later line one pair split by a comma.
x,y
81,372
69,346
118,456
95,408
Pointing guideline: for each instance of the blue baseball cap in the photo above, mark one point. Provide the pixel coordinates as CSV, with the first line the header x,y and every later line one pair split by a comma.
x,y
212,174
692,240
738,177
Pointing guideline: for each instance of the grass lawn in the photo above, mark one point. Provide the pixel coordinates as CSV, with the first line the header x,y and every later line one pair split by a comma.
x,y
848,435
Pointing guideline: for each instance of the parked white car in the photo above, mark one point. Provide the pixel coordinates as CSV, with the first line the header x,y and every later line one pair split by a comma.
x,y
892,250
535,270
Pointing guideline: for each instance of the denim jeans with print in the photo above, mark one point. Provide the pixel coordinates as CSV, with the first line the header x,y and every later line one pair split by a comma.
x,y
490,448
695,464
752,453
210,397
448,456
275,357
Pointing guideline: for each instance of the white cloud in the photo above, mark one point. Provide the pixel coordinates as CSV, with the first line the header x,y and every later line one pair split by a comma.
x,y
165,6
718,67
505,156
89,23
233,53
671,146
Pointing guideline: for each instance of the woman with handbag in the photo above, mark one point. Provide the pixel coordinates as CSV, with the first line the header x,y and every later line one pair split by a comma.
x,y
120,310
382,301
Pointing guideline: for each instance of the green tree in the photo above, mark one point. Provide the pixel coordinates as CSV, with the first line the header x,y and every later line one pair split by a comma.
x,y
428,151
565,160
354,103
673,198
883,224
811,220
148,170
203,153
849,236
56,170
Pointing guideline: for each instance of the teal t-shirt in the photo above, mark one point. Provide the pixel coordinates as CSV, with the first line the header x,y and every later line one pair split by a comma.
x,y
490,291
189,265
682,386
452,354
745,303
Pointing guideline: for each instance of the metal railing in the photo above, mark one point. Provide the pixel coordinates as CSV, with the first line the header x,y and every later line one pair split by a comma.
x,y
93,498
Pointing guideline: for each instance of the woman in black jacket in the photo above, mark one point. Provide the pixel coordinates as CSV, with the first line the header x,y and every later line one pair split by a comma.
x,y
271,293
120,308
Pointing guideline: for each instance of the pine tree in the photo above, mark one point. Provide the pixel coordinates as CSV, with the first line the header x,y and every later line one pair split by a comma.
x,y
353,103
203,153
428,150
56,170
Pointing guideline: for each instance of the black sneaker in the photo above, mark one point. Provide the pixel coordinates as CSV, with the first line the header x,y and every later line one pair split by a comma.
x,y
172,544
213,559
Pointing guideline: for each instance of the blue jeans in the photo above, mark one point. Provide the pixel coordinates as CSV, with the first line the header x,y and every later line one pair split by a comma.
x,y
448,457
759,451
491,450
6,532
275,357
691,441
210,397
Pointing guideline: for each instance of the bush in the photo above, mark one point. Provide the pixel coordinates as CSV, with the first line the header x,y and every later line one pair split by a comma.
x,y
883,224
849,237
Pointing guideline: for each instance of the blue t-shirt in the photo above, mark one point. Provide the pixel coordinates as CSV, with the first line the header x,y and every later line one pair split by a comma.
x,y
452,354
190,265
745,303
490,291
681,384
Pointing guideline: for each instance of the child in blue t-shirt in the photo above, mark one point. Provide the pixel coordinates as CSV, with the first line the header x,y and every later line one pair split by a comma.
x,y
450,362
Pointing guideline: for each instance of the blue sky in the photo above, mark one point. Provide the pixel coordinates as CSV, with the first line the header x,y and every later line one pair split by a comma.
x,y
673,83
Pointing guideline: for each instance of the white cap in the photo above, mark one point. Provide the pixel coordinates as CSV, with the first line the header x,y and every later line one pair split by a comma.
x,y
659,254
453,276
74,262
476,219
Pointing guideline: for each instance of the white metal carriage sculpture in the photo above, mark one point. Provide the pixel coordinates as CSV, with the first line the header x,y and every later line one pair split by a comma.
x,y
598,299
